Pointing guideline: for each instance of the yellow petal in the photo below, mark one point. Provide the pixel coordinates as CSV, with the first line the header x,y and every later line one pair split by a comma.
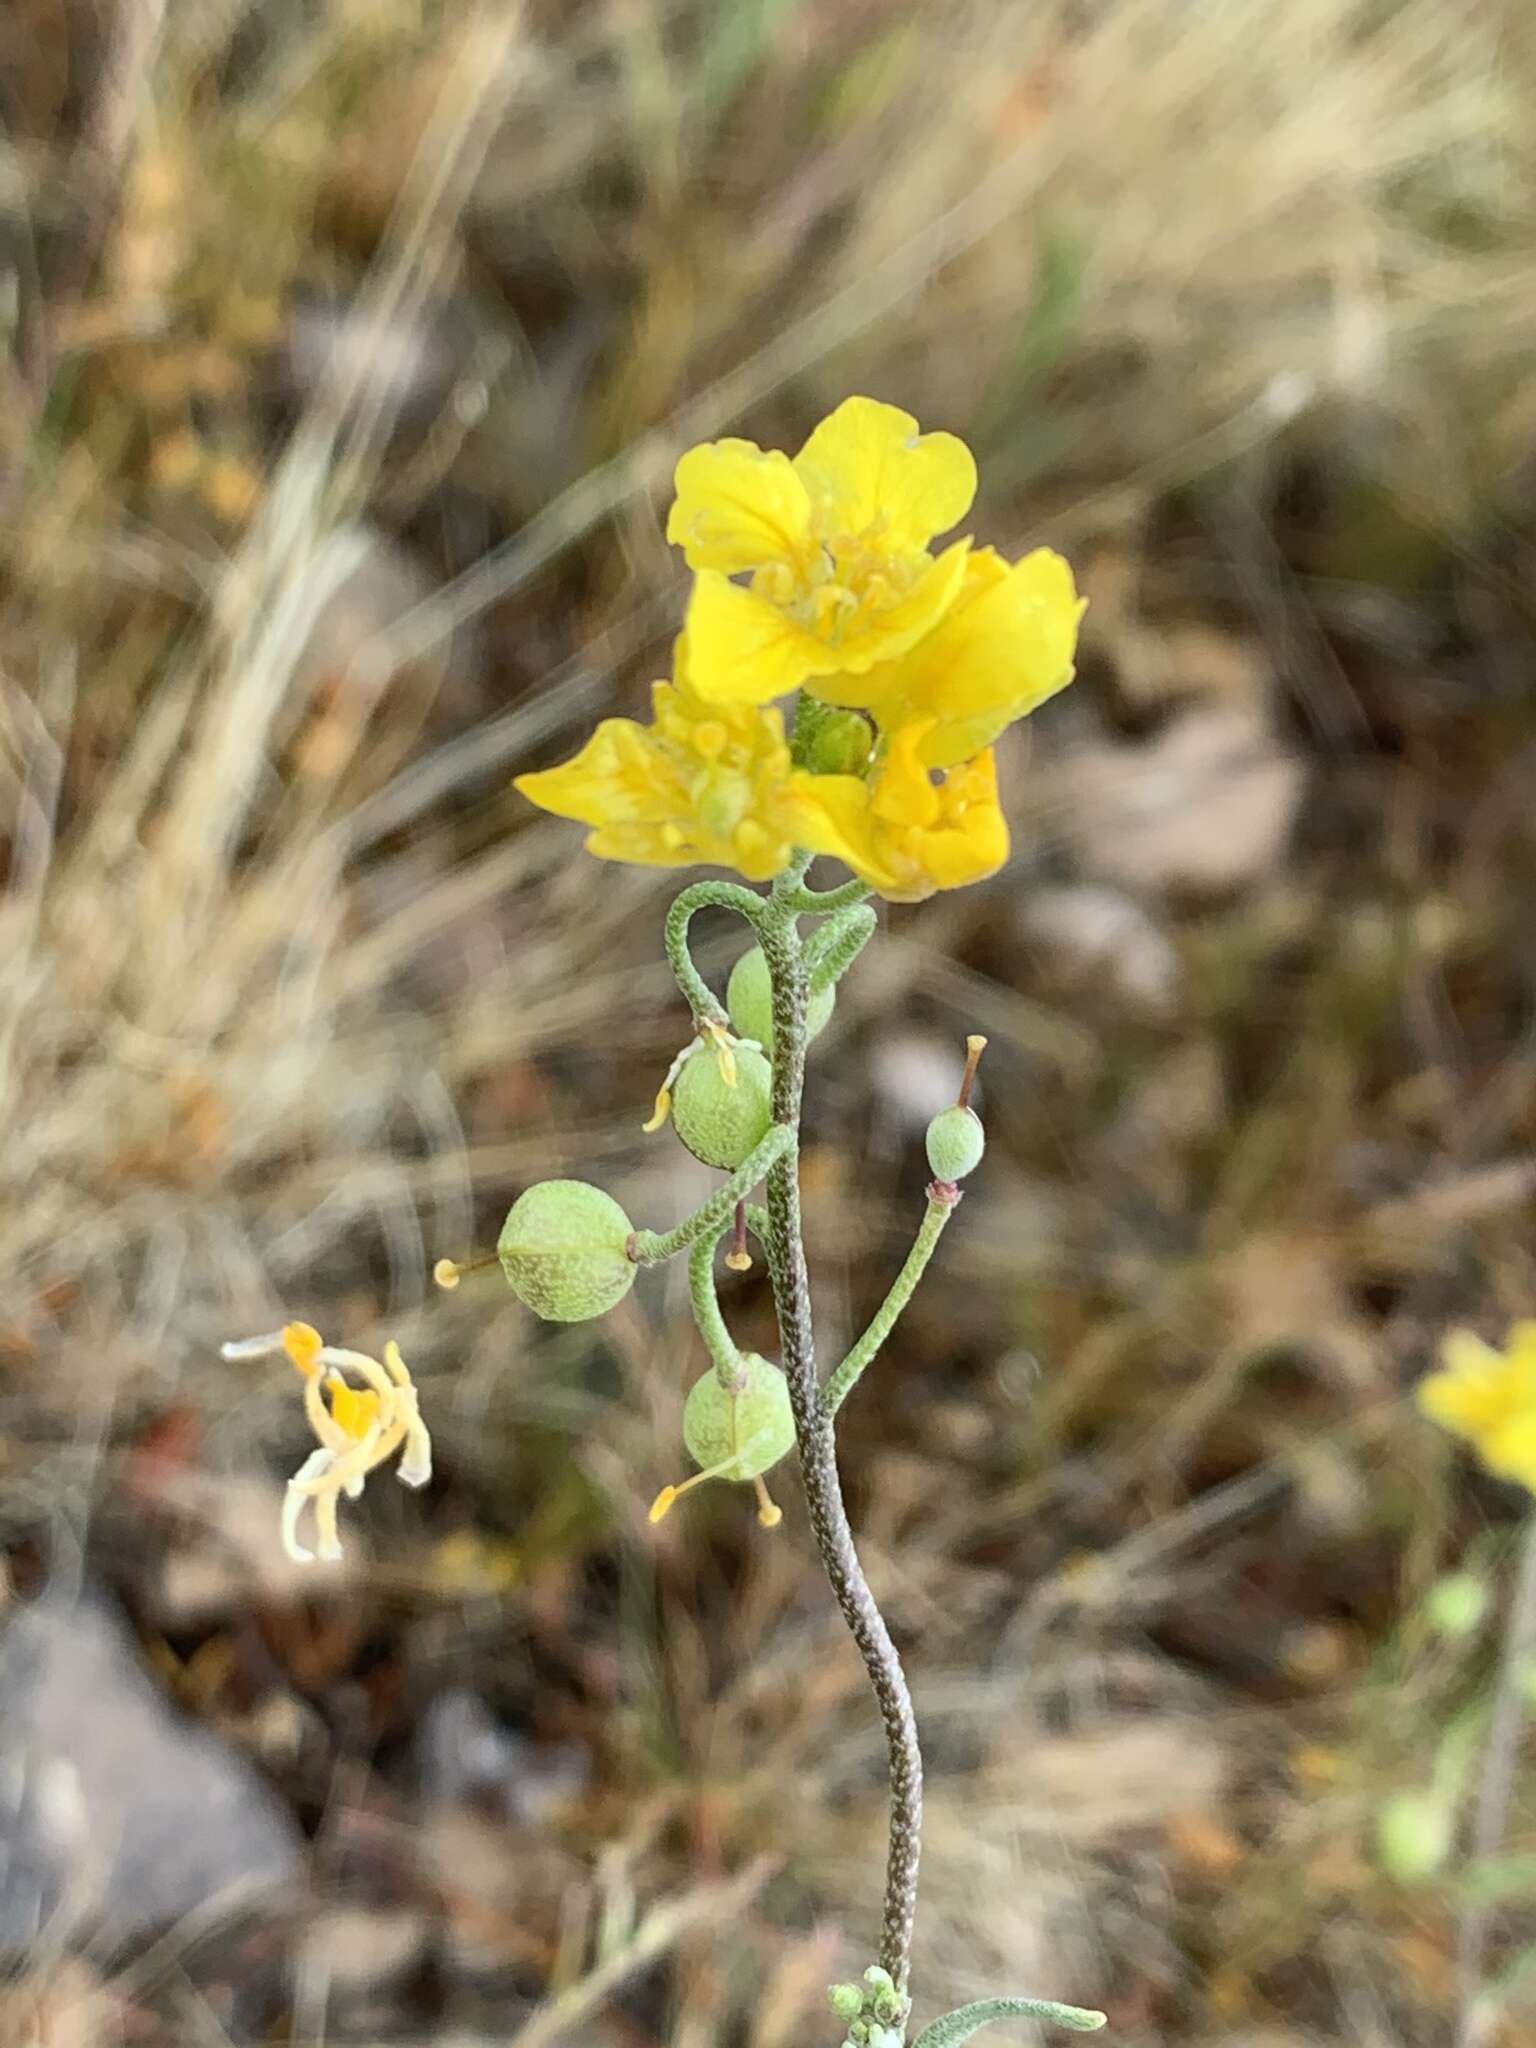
x,y
880,636
744,650
1510,1450
867,466
738,507
973,841
833,816
902,793
1004,646
620,776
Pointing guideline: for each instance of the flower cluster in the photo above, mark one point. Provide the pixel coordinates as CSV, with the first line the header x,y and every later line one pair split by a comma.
x,y
359,1428
818,574
1488,1397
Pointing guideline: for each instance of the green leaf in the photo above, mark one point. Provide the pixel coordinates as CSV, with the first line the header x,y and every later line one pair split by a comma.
x,y
965,2020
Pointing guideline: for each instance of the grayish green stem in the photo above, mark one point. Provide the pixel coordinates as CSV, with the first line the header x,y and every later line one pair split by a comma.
x,y
780,941
712,1218
846,1377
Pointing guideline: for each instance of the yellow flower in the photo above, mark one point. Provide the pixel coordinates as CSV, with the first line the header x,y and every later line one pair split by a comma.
x,y
1488,1397
1004,646
835,544
902,832
359,1428
703,782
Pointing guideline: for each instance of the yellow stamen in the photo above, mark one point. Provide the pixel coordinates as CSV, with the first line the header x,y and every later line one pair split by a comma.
x,y
725,1054
303,1345
662,1504
767,1513
661,1112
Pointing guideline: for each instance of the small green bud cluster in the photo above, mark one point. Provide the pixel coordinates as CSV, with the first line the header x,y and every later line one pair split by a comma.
x,y
875,2011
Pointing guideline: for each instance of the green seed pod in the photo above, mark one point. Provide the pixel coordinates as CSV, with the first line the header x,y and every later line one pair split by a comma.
x,y
739,1435
846,2000
956,1142
563,1250
749,998
718,1123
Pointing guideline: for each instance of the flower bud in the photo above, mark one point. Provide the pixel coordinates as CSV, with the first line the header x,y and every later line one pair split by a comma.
x,y
564,1250
840,744
739,1434
749,998
956,1142
721,1124
846,2000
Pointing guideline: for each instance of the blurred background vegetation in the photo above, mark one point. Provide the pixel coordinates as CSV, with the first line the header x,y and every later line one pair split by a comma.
x,y
349,345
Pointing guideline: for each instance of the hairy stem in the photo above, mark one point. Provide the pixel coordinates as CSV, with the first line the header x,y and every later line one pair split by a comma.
x,y
706,1312
814,1436
842,1382
712,1218
832,949
818,902
702,1000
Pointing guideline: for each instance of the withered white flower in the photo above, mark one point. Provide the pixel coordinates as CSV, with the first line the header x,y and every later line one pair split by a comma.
x,y
359,1428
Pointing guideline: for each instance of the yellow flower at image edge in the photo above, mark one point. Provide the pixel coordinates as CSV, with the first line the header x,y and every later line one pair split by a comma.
x,y
902,832
702,783
1488,1397
834,545
359,1428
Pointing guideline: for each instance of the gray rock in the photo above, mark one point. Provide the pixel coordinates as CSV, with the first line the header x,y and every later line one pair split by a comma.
x,y
118,1816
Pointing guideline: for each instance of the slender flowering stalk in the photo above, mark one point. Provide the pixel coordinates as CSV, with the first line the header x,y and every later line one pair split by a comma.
x,y
819,578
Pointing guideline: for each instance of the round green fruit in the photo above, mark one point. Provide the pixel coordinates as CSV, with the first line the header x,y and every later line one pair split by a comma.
x,y
564,1251
718,1123
742,1433
956,1142
749,998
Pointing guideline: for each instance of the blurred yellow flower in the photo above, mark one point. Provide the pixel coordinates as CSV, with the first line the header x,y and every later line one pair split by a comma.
x,y
835,544
1004,646
1488,1397
358,1428
703,782
902,832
